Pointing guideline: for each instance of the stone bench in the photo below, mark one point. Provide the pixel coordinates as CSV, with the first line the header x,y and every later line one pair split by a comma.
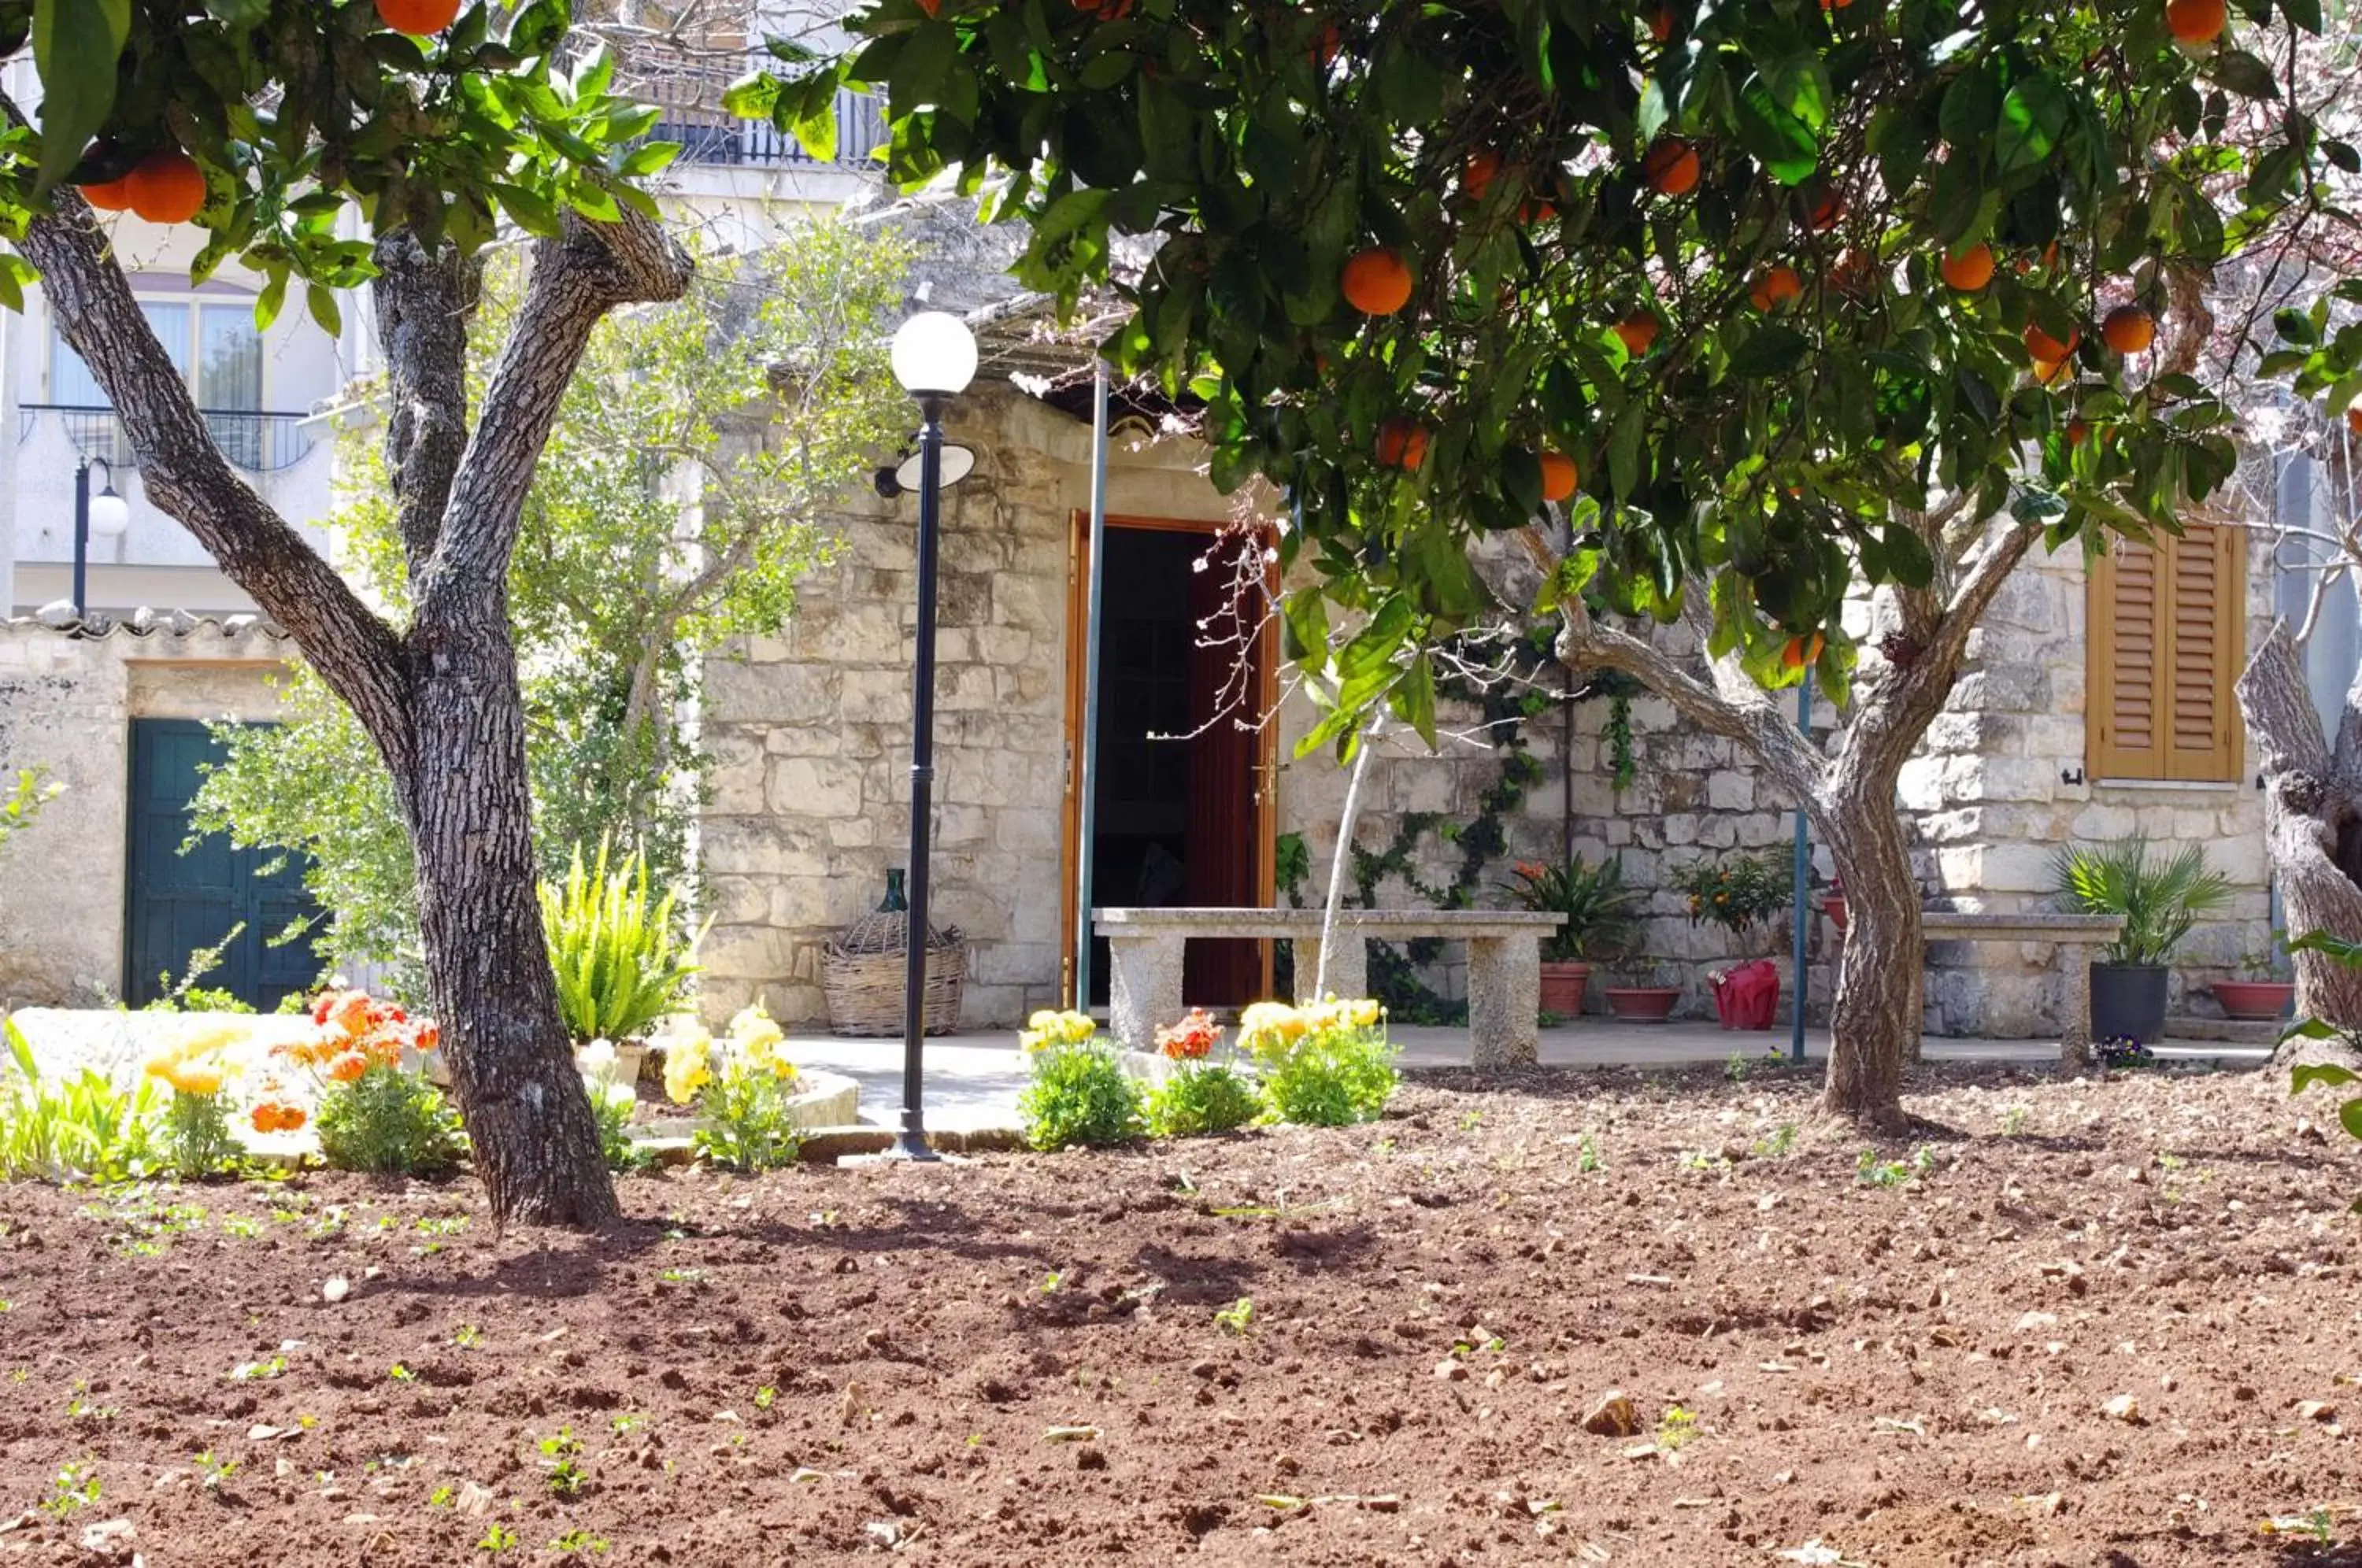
x,y
1146,946
2075,937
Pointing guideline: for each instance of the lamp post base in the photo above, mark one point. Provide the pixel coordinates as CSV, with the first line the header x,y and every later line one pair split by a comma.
x,y
909,1144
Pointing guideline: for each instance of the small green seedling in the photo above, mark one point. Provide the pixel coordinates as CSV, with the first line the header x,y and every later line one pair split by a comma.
x,y
74,1486
564,1454
1238,1316
1676,1427
213,1469
499,1537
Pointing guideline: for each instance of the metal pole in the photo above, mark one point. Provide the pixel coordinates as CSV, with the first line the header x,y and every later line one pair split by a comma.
x,y
1803,877
910,1140
81,540
1085,806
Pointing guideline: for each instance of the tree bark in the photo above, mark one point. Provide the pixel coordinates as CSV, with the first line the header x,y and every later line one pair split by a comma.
x,y
1876,1015
440,702
2313,819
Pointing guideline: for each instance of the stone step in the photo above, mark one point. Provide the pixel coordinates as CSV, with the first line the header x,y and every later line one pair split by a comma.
x,y
2190,1026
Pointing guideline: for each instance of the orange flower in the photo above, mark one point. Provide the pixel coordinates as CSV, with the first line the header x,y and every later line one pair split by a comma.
x,y
427,1037
348,1067
277,1116
346,1013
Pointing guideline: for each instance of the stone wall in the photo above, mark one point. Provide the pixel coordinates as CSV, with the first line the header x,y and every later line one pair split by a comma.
x,y
67,702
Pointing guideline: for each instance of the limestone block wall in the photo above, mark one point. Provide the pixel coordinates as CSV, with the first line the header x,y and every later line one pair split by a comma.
x,y
67,702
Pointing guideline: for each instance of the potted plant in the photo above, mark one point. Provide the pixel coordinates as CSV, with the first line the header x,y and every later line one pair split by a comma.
x,y
2160,901
1600,913
1647,999
1833,904
1738,893
2261,996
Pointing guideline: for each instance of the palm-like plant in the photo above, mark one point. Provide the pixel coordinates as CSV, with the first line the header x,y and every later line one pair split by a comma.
x,y
1602,912
2160,899
621,964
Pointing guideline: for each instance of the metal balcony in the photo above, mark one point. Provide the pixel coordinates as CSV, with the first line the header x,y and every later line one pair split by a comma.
x,y
258,441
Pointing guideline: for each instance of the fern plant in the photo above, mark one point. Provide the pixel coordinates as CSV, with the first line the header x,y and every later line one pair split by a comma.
x,y
2160,899
621,964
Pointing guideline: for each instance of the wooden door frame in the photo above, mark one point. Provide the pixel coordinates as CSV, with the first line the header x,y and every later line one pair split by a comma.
x,y
1070,816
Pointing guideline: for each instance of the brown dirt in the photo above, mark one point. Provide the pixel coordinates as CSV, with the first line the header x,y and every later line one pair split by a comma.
x,y
821,1363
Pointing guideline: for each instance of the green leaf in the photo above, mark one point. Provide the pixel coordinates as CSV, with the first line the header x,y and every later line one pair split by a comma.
x,y
2245,74
2031,116
540,26
751,96
2325,1073
1908,562
1624,449
243,15
268,303
322,302
2296,326
1769,351
76,47
1971,107
1414,698
2349,1116
1783,144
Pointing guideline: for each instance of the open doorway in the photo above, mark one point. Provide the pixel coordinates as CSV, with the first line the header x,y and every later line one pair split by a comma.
x,y
1182,805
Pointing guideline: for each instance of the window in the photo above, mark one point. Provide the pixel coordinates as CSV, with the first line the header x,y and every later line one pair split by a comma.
x,y
215,345
2167,628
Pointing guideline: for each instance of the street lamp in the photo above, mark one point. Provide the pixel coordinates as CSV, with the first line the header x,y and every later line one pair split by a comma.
x,y
934,359
105,515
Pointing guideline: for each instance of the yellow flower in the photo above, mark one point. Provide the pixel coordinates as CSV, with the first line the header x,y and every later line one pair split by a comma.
x,y
1363,1014
1044,1021
1269,1027
752,1029
689,1065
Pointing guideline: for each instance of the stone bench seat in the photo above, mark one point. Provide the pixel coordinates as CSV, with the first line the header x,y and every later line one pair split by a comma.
x,y
1145,948
2075,937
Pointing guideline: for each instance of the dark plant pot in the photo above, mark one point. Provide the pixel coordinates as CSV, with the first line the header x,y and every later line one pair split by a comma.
x,y
1563,987
2128,999
1834,907
1641,1004
2255,1002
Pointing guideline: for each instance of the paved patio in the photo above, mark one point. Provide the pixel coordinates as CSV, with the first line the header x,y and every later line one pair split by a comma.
x,y
973,1080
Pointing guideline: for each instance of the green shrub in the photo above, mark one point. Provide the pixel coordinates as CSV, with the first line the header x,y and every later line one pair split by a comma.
x,y
742,1086
1080,1095
388,1121
197,1139
621,965
2159,901
84,1127
1332,1078
1202,1099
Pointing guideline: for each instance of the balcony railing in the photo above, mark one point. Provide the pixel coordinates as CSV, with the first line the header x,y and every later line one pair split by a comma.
x,y
260,443
685,86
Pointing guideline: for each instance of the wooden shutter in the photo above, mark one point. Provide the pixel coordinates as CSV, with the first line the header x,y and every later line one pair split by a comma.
x,y
2166,629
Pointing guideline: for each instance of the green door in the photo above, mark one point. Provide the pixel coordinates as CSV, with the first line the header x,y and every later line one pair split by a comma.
x,y
180,902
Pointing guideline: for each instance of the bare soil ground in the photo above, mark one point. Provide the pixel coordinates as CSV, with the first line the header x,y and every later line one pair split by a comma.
x,y
2099,1323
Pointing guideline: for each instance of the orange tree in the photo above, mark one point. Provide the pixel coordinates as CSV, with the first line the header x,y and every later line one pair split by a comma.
x,y
265,122
1808,297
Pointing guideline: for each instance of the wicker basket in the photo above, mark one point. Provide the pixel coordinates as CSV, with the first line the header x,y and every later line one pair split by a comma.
x,y
862,975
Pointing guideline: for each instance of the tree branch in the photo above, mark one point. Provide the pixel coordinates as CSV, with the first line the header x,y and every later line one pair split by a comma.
x,y
423,304
185,473
576,279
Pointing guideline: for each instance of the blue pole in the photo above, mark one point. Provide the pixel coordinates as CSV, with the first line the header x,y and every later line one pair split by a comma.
x,y
1085,815
1802,885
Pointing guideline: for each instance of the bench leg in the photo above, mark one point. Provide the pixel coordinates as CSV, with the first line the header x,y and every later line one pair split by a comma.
x,y
1349,967
2075,1008
1143,987
1505,999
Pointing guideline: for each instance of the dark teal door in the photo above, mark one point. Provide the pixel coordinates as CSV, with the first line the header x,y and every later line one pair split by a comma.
x,y
180,902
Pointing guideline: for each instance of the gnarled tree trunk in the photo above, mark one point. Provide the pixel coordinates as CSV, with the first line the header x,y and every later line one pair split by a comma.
x,y
438,697
1876,1013
2313,819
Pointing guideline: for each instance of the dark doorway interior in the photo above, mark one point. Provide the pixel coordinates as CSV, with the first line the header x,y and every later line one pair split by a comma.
x,y
181,903
1174,819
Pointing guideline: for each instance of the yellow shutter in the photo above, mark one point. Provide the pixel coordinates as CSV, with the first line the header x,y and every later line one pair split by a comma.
x,y
2166,629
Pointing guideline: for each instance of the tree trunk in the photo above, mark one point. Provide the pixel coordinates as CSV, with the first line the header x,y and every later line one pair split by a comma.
x,y
536,1145
2313,819
1875,1017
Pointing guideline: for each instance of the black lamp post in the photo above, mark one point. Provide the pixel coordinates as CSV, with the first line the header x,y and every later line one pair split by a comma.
x,y
106,515
934,359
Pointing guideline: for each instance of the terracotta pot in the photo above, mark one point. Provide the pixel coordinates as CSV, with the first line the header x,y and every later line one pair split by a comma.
x,y
1563,987
1641,1004
1834,906
2251,1001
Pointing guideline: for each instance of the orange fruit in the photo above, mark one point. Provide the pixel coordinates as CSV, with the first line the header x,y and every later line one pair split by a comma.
x,y
1660,25
1476,174
1670,167
1855,272
166,187
1776,286
931,6
1970,269
109,195
1376,282
420,17
2077,430
1534,210
2195,21
1802,651
2048,370
2042,346
1558,476
2354,419
1331,42
1639,332
2128,329
1827,209
1402,444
